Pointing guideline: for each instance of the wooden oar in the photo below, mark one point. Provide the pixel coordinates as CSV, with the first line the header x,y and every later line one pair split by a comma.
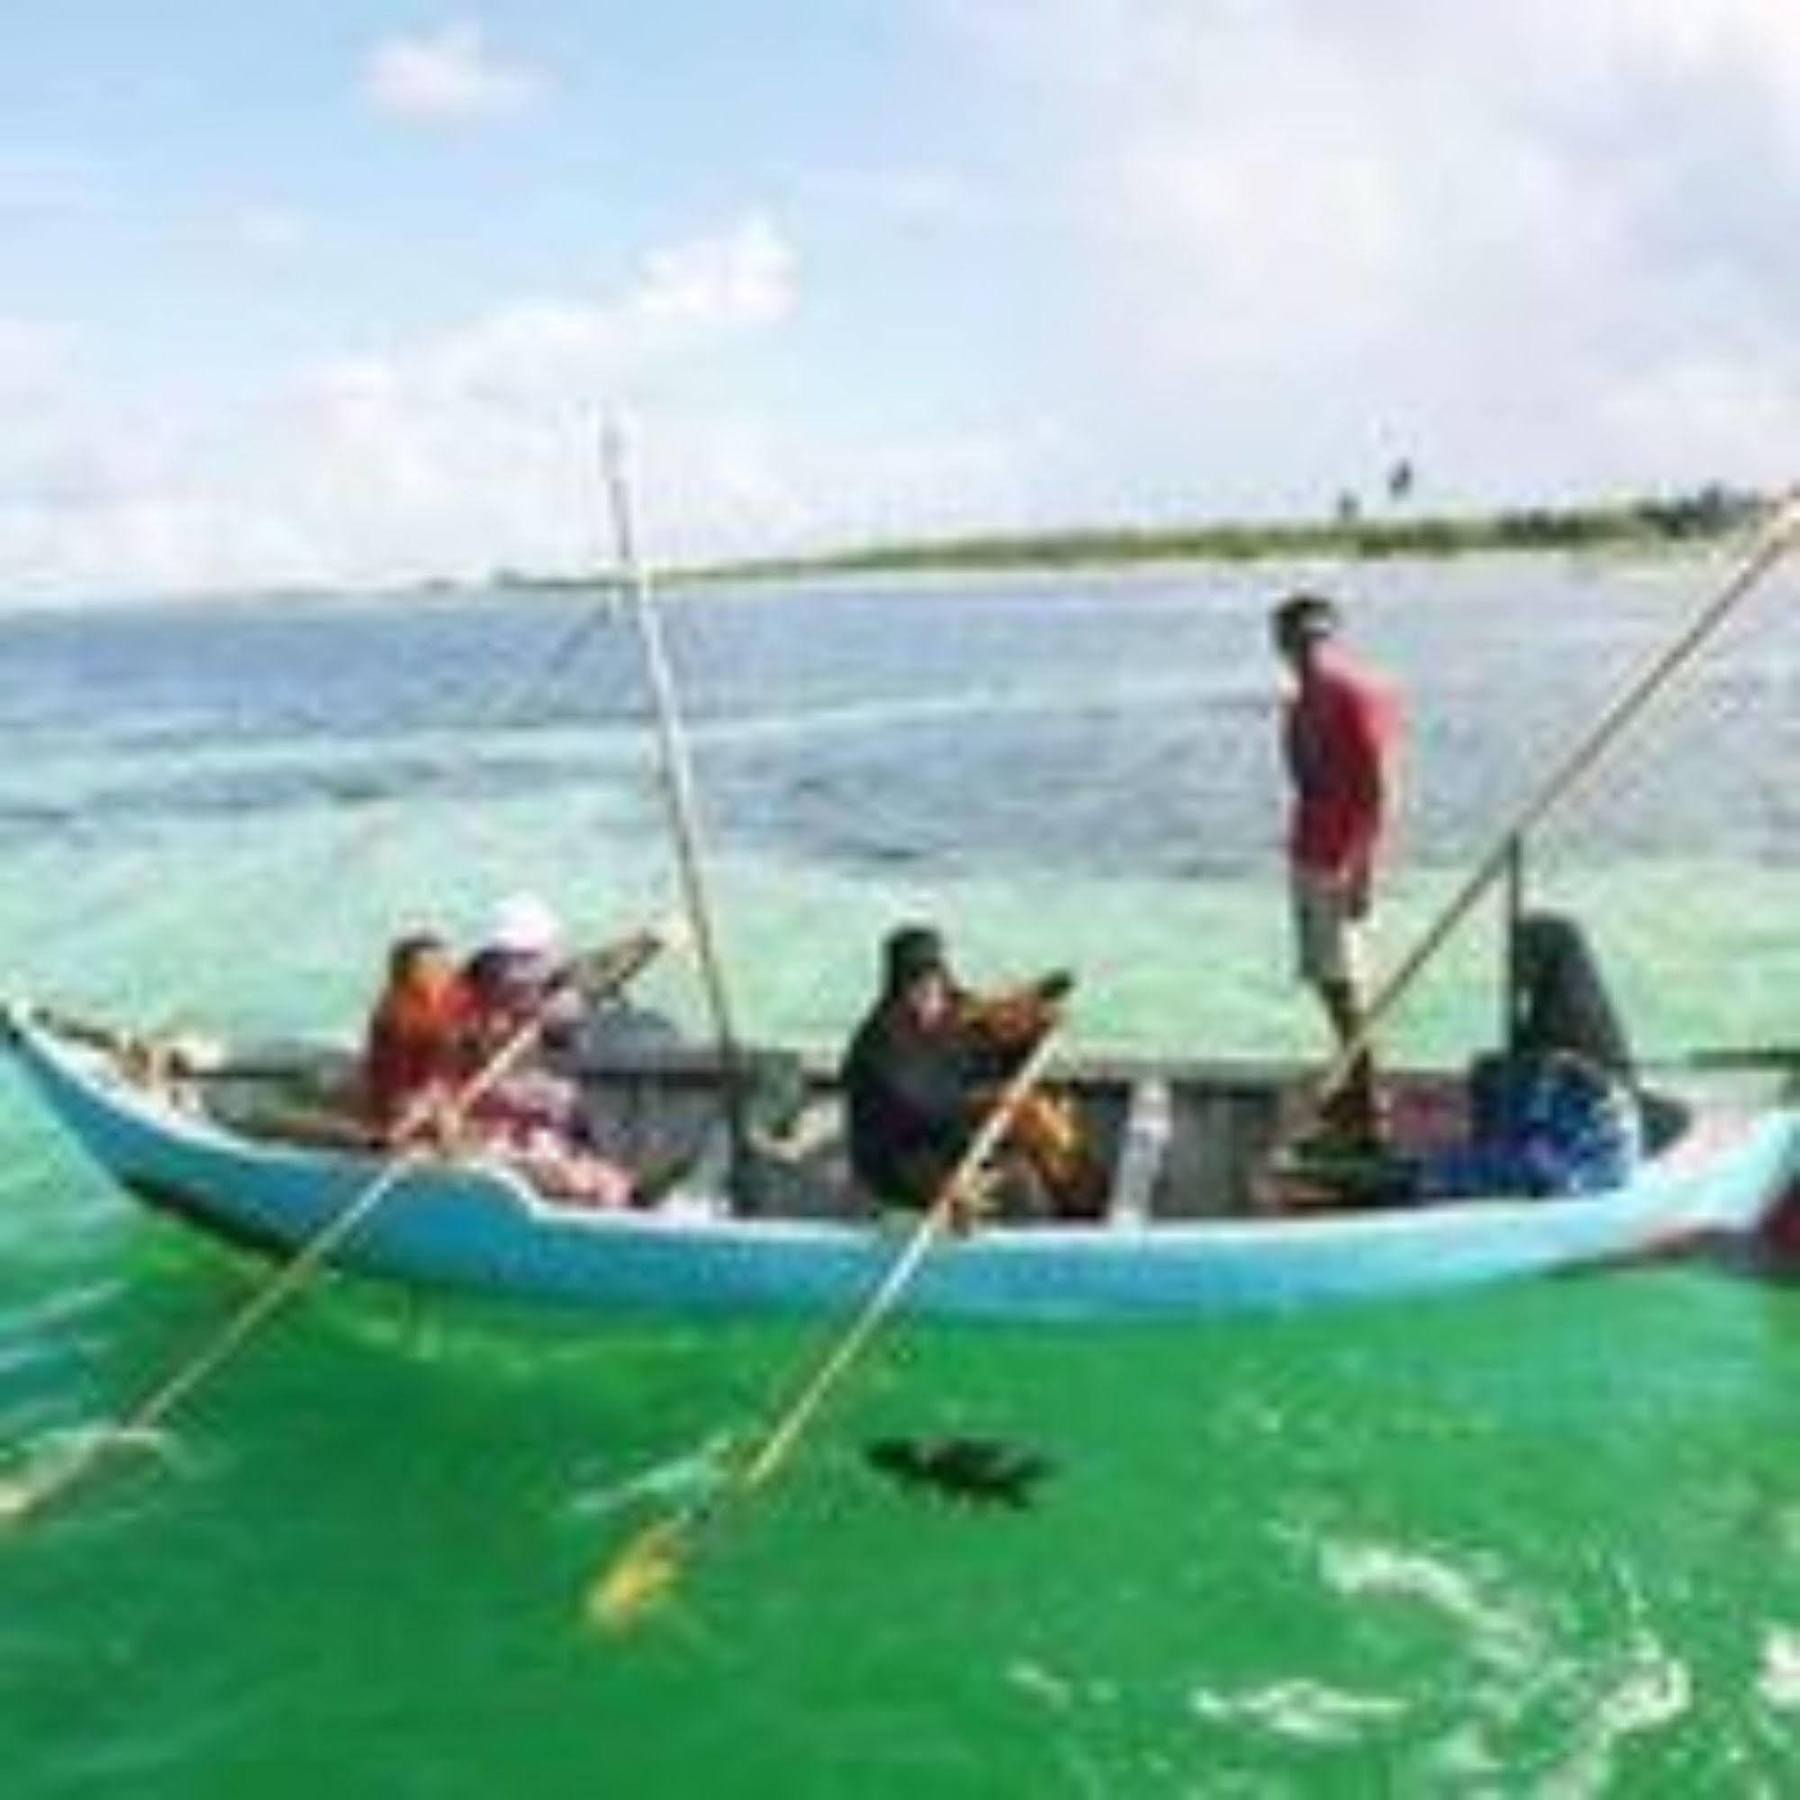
x,y
1745,1056
1776,540
1781,1061
23,1497
640,1577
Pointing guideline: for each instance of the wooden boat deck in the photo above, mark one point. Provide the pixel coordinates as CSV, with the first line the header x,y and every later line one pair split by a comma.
x,y
1183,1139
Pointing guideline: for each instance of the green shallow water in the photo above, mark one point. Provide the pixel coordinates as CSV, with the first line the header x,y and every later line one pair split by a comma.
x,y
1542,1540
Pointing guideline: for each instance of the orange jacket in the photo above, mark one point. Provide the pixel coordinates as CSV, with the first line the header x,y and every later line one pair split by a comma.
x,y
415,1042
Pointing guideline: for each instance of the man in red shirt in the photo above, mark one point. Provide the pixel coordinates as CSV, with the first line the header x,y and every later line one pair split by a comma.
x,y
1340,739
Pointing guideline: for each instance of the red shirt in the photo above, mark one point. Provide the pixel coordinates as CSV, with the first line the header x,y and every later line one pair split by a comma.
x,y
1340,732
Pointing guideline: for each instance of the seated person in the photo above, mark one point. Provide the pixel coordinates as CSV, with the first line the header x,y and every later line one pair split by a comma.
x,y
1559,999
922,1072
534,1114
507,997
434,1032
522,976
521,971
1544,1124
586,1015
414,1048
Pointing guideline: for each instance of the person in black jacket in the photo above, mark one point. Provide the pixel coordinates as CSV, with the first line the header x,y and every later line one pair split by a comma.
x,y
920,1074
909,1075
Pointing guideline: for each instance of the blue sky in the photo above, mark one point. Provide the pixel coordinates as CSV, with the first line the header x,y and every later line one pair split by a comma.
x,y
333,294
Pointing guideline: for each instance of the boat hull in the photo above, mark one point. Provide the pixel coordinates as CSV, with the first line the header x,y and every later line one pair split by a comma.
x,y
476,1226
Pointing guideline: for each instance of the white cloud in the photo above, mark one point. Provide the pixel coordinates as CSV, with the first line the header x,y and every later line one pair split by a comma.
x,y
1540,244
1255,248
534,358
742,277
731,487
474,447
446,77
463,449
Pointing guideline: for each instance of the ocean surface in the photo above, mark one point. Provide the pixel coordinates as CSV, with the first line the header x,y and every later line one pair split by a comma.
x,y
1538,1541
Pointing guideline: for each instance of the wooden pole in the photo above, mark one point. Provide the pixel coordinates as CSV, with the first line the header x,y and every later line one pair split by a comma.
x,y
676,779
1776,539
1512,910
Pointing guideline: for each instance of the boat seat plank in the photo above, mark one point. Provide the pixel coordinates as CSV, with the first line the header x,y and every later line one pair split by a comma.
x,y
1220,1137
1143,1153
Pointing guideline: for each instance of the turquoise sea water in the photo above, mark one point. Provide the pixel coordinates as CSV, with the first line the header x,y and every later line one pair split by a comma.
x,y
1537,1541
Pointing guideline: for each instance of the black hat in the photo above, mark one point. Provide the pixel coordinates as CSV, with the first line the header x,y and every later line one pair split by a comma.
x,y
1306,616
912,951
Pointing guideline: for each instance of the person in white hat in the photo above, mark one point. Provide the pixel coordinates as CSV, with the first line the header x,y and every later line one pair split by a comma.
x,y
524,925
511,976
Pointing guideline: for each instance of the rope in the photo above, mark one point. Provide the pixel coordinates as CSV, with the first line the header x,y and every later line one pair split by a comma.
x,y
365,835
519,705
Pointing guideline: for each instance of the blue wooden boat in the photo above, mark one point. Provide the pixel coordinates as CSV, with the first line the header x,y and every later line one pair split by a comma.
x,y
246,1152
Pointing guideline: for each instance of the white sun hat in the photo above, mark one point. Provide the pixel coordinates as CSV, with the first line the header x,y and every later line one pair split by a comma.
x,y
524,923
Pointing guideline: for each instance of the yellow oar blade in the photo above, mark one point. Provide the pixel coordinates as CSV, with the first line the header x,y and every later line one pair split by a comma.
x,y
638,1580
18,1500
64,1458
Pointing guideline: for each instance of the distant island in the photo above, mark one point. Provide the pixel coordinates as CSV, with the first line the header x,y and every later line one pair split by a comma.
x,y
1643,523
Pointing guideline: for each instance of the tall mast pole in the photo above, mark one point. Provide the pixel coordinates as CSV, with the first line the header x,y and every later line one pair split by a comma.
x,y
676,779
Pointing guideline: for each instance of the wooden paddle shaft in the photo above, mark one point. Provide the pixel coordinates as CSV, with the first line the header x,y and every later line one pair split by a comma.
x,y
786,1432
1777,539
156,1405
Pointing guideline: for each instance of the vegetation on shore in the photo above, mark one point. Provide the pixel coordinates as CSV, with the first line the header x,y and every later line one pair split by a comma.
x,y
1641,523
